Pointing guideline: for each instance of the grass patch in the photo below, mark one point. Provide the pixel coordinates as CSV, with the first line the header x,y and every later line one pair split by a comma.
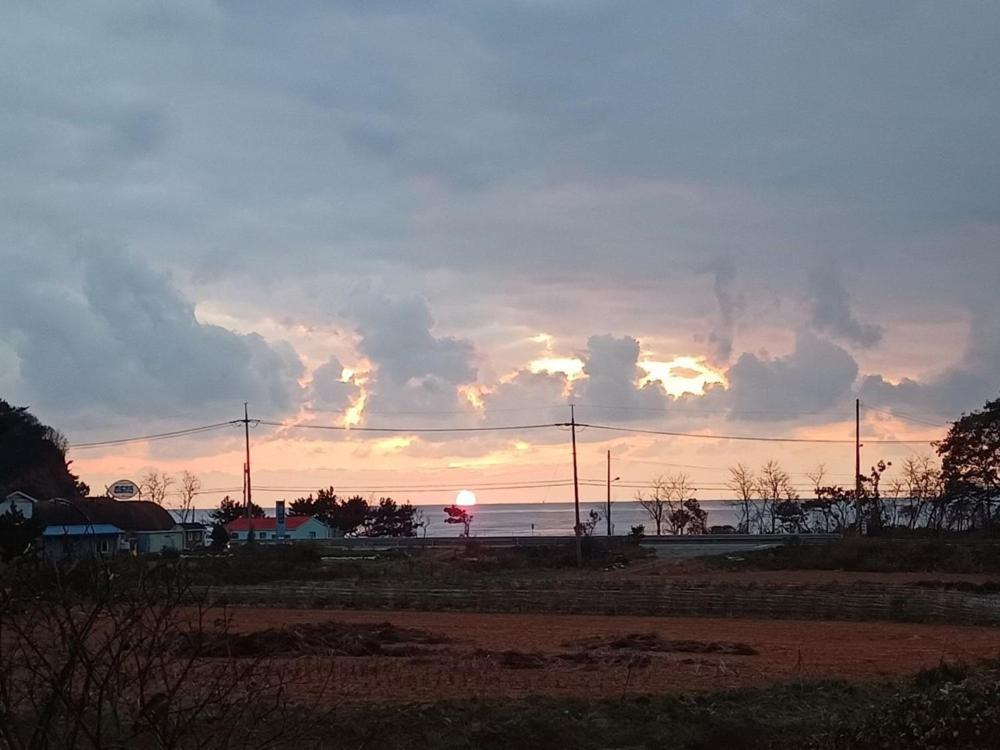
x,y
888,555
952,708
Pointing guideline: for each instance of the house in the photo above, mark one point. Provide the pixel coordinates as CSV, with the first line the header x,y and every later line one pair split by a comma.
x,y
297,528
145,526
19,502
194,534
79,540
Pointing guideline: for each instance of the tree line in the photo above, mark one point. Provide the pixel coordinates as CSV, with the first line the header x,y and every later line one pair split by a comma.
x,y
350,516
960,491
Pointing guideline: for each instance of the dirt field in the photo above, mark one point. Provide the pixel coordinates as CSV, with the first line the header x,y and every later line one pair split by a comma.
x,y
546,654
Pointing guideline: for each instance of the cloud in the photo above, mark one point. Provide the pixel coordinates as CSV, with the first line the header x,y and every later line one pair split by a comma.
x,y
730,304
831,310
612,382
527,397
414,368
269,158
121,341
956,389
327,392
817,375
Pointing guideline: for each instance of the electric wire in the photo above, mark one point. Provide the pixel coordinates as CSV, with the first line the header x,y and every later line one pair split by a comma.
x,y
749,438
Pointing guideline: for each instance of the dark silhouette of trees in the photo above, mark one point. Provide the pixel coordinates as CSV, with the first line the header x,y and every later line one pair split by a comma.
x,y
390,518
219,537
347,516
670,500
455,514
743,484
588,526
229,510
33,457
970,468
17,533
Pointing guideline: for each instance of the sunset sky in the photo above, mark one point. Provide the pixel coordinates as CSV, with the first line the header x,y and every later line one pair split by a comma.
x,y
727,218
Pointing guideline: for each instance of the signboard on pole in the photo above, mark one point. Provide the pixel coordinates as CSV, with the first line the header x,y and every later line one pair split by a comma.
x,y
279,519
123,489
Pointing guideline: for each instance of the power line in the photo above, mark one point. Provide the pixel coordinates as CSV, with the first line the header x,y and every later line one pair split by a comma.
x,y
495,428
156,436
901,415
695,411
408,430
752,438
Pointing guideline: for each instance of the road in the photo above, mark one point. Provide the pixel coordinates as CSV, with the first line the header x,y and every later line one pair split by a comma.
x,y
663,546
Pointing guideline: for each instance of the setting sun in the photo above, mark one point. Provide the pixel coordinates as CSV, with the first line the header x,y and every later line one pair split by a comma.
x,y
465,497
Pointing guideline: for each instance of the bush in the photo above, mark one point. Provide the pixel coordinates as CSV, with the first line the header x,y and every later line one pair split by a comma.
x,y
953,555
960,715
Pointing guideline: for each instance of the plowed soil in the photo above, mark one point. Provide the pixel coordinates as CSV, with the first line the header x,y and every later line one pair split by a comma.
x,y
477,659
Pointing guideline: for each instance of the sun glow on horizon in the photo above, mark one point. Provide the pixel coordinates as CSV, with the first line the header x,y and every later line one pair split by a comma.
x,y
465,498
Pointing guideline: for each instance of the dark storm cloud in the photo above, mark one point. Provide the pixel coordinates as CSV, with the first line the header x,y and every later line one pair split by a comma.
x,y
816,376
327,392
124,343
611,366
731,304
831,310
415,370
551,165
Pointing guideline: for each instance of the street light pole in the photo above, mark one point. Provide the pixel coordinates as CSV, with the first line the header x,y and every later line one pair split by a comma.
x,y
610,480
576,490
609,493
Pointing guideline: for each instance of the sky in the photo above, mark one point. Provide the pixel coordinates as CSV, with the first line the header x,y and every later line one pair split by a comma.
x,y
726,218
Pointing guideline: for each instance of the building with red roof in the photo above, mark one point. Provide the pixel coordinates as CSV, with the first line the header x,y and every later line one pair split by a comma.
x,y
297,528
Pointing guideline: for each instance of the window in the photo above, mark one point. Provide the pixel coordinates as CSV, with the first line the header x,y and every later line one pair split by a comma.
x,y
235,535
105,546
312,534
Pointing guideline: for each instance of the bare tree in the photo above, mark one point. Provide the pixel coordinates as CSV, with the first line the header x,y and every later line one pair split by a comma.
x,y
774,485
155,485
190,487
111,663
816,476
665,499
923,489
656,502
743,484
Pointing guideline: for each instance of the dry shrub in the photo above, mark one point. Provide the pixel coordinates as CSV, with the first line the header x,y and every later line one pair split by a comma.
x,y
652,643
95,665
323,639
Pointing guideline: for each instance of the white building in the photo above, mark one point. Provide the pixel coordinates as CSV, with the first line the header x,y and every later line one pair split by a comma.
x,y
297,529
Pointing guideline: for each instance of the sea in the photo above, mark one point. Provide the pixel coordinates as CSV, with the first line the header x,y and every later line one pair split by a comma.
x,y
542,519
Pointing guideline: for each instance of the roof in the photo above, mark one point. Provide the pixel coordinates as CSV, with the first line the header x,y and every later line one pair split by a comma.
x,y
193,526
269,523
18,495
82,529
130,515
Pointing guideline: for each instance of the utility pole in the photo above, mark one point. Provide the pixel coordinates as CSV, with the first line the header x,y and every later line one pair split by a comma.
x,y
576,490
248,494
857,464
609,493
